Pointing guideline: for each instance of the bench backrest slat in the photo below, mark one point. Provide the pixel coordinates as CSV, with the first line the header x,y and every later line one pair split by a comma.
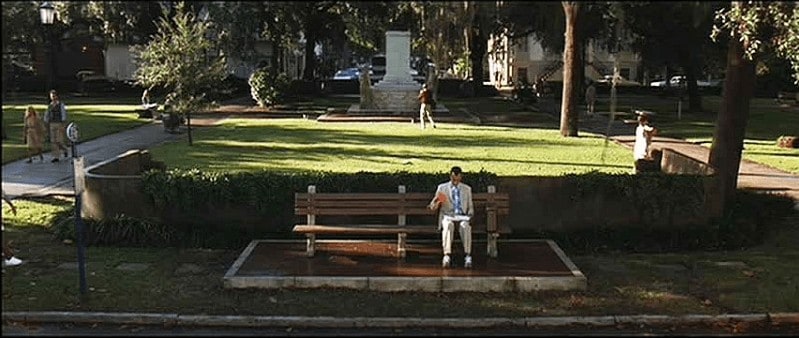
x,y
388,203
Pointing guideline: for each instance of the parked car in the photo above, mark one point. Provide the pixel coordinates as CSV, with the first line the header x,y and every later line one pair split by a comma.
x,y
680,80
347,74
608,80
675,81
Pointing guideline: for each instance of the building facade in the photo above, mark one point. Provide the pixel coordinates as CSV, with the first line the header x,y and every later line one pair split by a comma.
x,y
524,60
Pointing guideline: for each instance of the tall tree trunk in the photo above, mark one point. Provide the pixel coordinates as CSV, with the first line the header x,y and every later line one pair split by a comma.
x,y
689,65
479,45
311,30
310,58
728,137
571,71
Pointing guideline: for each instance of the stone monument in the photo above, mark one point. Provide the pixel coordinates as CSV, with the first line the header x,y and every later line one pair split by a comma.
x,y
397,91
396,95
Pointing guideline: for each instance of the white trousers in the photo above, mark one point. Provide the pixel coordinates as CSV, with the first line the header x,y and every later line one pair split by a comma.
x,y
448,234
425,111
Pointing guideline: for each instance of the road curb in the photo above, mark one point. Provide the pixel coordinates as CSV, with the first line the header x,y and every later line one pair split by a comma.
x,y
172,319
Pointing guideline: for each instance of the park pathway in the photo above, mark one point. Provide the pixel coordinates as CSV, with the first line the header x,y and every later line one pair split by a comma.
x,y
21,179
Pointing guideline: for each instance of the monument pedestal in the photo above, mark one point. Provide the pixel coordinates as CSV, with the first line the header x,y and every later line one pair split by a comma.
x,y
396,96
397,92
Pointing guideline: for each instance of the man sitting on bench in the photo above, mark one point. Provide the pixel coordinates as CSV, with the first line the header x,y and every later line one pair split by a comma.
x,y
454,201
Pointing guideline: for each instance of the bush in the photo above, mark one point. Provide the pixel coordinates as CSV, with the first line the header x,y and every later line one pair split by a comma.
x,y
120,230
267,87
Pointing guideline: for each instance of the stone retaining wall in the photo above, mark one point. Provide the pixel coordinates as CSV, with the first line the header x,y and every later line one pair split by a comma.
x,y
114,186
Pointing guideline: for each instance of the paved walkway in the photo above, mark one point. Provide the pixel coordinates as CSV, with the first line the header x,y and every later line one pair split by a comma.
x,y
22,179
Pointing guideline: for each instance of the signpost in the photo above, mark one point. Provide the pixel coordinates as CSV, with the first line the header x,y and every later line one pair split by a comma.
x,y
73,135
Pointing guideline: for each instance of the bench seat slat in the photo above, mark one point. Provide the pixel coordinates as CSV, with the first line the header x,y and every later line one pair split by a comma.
x,y
378,229
365,229
361,212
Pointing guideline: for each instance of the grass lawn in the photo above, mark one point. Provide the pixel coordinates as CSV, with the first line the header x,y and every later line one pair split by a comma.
x,y
755,280
304,145
95,117
767,122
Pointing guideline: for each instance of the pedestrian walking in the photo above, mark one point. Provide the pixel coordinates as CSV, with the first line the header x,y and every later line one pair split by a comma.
x,y
426,98
33,134
590,98
56,117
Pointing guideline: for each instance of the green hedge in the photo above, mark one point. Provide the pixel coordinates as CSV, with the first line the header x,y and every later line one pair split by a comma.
x,y
272,193
654,197
271,196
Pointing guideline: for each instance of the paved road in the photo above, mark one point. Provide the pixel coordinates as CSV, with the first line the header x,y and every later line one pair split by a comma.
x,y
85,324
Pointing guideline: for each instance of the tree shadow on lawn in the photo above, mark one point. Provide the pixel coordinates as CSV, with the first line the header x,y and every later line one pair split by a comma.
x,y
304,135
280,158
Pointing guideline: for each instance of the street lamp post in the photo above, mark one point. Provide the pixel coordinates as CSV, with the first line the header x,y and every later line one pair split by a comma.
x,y
47,15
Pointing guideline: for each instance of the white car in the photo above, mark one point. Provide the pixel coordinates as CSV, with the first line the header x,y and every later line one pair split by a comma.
x,y
608,79
680,80
675,81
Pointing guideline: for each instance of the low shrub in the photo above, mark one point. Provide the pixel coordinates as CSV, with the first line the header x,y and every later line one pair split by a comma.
x,y
267,86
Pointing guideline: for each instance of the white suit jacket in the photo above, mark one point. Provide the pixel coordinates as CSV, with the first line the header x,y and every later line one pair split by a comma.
x,y
448,208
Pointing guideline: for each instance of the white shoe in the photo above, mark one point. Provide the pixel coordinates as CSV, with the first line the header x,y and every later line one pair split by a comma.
x,y
467,263
13,261
445,262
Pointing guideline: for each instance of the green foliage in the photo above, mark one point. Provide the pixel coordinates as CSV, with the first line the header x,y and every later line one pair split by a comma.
x,y
267,87
272,193
118,231
751,218
762,27
269,194
658,196
654,197
178,59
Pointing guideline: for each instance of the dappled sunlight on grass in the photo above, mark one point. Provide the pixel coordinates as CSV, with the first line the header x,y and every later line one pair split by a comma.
x,y
289,145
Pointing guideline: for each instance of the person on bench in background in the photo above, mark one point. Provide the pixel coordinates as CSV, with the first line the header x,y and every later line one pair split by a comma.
x,y
453,199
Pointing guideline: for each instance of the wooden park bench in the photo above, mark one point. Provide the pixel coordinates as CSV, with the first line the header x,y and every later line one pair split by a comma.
x,y
488,207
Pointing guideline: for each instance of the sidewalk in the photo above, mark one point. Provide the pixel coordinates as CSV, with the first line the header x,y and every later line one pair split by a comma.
x,y
43,179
